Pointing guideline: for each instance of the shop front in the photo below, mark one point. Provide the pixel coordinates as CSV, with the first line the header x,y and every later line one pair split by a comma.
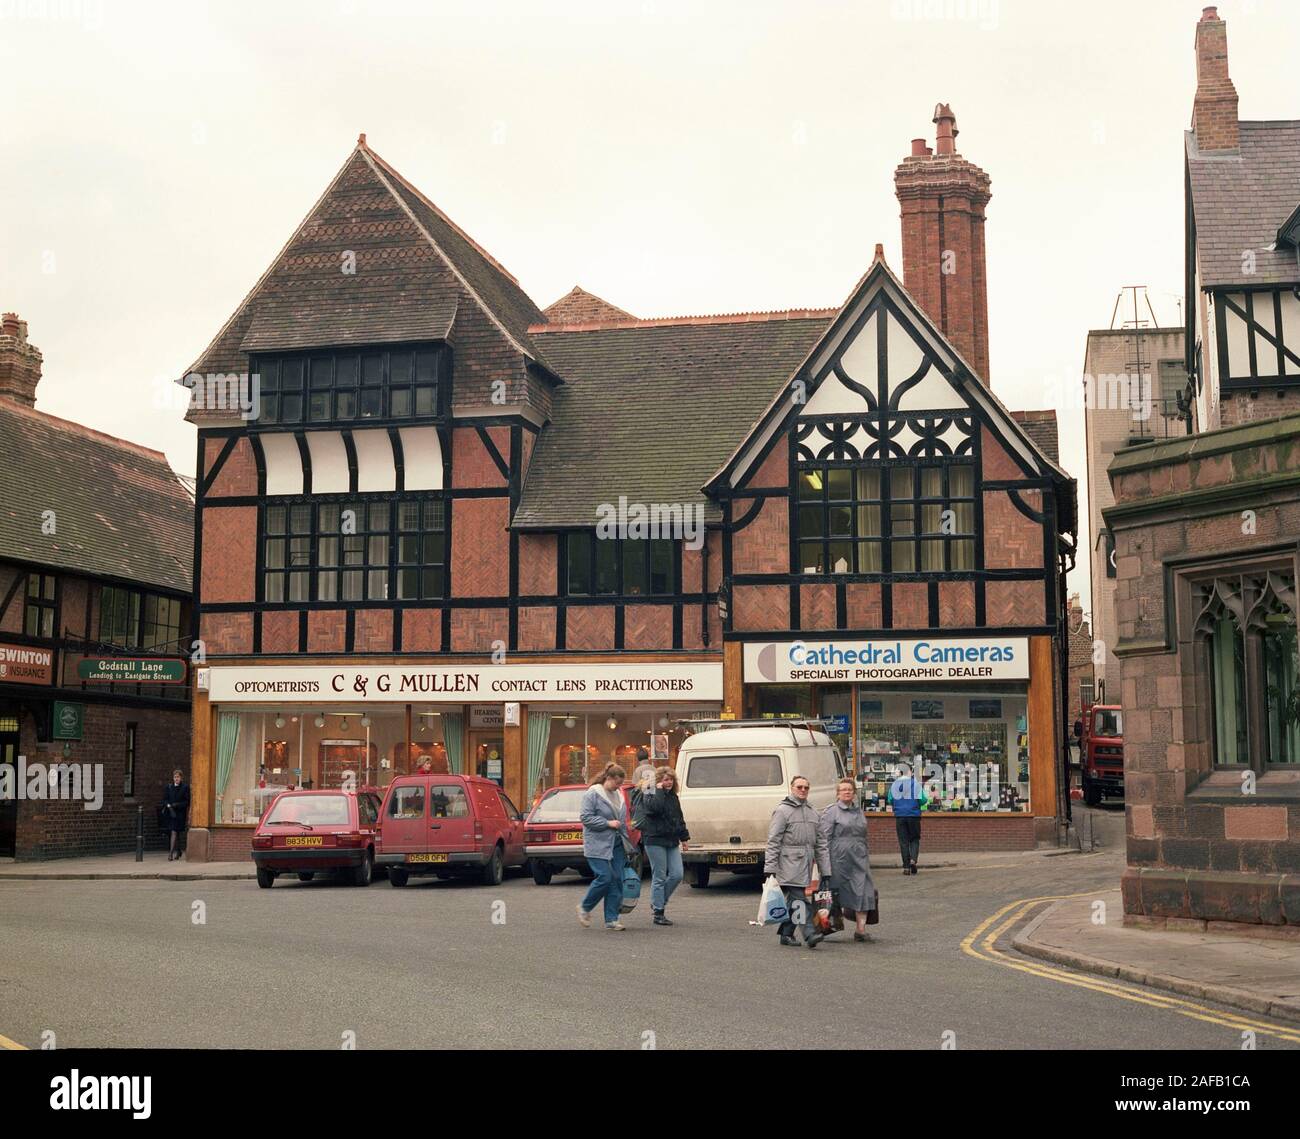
x,y
263,728
974,717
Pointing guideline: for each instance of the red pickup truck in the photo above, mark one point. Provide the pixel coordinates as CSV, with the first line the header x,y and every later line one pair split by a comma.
x,y
1101,752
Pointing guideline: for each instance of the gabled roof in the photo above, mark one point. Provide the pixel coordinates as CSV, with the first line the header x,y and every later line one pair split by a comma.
x,y
783,406
581,307
1240,199
414,269
118,508
650,408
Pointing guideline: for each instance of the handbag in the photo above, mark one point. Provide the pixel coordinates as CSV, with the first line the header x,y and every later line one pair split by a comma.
x,y
873,914
631,890
828,917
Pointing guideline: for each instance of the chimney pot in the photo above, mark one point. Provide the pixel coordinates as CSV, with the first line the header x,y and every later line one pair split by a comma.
x,y
919,149
9,324
20,362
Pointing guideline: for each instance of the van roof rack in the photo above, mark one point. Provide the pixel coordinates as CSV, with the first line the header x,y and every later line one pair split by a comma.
x,y
791,722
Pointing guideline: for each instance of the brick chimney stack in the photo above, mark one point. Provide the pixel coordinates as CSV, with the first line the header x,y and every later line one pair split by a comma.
x,y
942,198
20,362
1214,110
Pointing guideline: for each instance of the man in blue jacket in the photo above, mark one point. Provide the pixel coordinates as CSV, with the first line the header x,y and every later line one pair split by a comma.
x,y
908,798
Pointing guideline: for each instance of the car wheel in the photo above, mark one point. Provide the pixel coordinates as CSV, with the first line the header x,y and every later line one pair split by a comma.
x,y
364,874
697,875
265,878
398,876
542,872
1091,795
495,868
306,875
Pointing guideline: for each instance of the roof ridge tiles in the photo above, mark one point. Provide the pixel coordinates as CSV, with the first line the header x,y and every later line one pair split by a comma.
x,y
58,422
701,319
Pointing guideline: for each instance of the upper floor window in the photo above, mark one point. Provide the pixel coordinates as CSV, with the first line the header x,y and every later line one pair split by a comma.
x,y
134,619
905,518
38,615
355,551
619,566
343,387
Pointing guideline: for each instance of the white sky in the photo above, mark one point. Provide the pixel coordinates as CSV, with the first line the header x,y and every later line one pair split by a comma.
x,y
670,157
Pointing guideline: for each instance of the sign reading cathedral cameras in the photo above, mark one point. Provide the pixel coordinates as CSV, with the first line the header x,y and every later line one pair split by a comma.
x,y
26,664
470,683
111,670
785,662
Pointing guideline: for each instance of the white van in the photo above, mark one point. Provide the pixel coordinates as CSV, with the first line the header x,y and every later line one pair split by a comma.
x,y
731,776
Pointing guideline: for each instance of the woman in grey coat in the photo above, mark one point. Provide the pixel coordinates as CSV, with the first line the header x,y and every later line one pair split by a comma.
x,y
795,844
844,827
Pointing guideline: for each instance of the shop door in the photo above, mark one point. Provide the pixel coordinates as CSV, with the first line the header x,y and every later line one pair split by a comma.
x,y
487,751
9,805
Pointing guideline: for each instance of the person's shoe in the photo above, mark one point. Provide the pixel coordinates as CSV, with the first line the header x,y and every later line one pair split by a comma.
x,y
584,917
661,918
788,940
615,925
814,940
862,936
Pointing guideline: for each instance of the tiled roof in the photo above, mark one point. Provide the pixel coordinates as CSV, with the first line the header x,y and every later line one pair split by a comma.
x,y
652,409
118,509
1240,199
373,262
1040,426
581,307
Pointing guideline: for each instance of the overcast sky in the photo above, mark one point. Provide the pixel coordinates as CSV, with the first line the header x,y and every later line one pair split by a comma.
x,y
670,157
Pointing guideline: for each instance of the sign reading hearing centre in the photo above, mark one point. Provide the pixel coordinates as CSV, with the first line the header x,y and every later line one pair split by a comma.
x,y
466,684
777,662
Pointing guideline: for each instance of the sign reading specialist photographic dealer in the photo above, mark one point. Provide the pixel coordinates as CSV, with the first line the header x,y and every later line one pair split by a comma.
x,y
785,662
466,683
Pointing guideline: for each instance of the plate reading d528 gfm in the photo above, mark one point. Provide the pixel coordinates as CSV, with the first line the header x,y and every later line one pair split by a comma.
x,y
124,670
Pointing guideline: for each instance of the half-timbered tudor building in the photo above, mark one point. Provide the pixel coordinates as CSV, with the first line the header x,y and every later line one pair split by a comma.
x,y
1207,547
426,546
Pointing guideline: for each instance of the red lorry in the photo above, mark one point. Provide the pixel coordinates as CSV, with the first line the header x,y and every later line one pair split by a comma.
x,y
1101,752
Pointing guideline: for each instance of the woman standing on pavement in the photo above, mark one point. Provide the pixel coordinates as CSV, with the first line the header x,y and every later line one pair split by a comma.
x,y
604,843
663,830
176,810
796,848
845,828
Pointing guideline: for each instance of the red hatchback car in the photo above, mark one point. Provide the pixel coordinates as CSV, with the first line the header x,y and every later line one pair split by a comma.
x,y
448,825
554,832
304,832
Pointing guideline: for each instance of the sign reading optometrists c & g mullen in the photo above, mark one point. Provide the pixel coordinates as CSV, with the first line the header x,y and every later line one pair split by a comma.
x,y
886,659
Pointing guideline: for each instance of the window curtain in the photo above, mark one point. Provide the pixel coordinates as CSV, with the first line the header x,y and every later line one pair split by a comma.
x,y
227,739
453,735
539,738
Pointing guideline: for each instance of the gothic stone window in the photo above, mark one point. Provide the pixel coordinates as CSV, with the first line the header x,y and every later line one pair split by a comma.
x,y
1245,627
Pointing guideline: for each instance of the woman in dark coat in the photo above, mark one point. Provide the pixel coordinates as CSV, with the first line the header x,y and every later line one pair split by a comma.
x,y
845,828
176,810
663,830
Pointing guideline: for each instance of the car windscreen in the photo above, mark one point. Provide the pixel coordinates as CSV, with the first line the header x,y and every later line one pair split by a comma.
x,y
1108,722
734,771
559,807
313,810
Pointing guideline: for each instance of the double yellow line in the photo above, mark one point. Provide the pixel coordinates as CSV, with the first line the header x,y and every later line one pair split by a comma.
x,y
1009,915
12,1045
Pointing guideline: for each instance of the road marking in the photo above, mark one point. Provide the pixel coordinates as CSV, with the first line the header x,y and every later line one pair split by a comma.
x,y
1150,997
12,1045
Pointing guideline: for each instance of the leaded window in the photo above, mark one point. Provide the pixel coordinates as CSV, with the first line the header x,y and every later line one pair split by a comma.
x,y
38,616
630,567
886,518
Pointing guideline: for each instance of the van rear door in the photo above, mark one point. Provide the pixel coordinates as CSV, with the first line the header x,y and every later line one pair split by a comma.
x,y
451,817
402,820
728,796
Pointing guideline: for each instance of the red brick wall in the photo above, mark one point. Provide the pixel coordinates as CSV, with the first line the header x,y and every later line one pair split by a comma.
x,y
421,630
911,602
327,631
226,634
760,607
589,627
863,605
63,828
471,465
537,565
763,546
231,844
647,627
817,607
956,604
480,555
11,620
229,554
536,628
998,463
74,600
280,631
477,630
238,476
774,470
1011,540
373,631
1014,602
941,835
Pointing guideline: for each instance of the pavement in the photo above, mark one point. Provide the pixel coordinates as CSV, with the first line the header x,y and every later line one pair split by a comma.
x,y
1259,974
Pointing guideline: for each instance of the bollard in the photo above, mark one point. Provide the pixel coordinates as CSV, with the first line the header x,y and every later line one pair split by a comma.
x,y
139,834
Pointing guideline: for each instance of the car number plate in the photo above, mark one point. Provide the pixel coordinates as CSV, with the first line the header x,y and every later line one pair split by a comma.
x,y
568,836
304,840
426,858
737,859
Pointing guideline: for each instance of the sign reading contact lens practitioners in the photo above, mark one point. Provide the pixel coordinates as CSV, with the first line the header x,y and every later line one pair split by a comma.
x,y
885,659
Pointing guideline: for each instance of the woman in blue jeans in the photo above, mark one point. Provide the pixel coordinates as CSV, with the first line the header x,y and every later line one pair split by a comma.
x,y
663,830
604,842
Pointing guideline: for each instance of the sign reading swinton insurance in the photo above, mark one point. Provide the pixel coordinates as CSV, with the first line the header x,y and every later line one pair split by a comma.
x,y
26,664
886,659
468,683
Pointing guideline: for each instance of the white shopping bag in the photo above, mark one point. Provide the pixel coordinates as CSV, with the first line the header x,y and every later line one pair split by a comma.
x,y
772,909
